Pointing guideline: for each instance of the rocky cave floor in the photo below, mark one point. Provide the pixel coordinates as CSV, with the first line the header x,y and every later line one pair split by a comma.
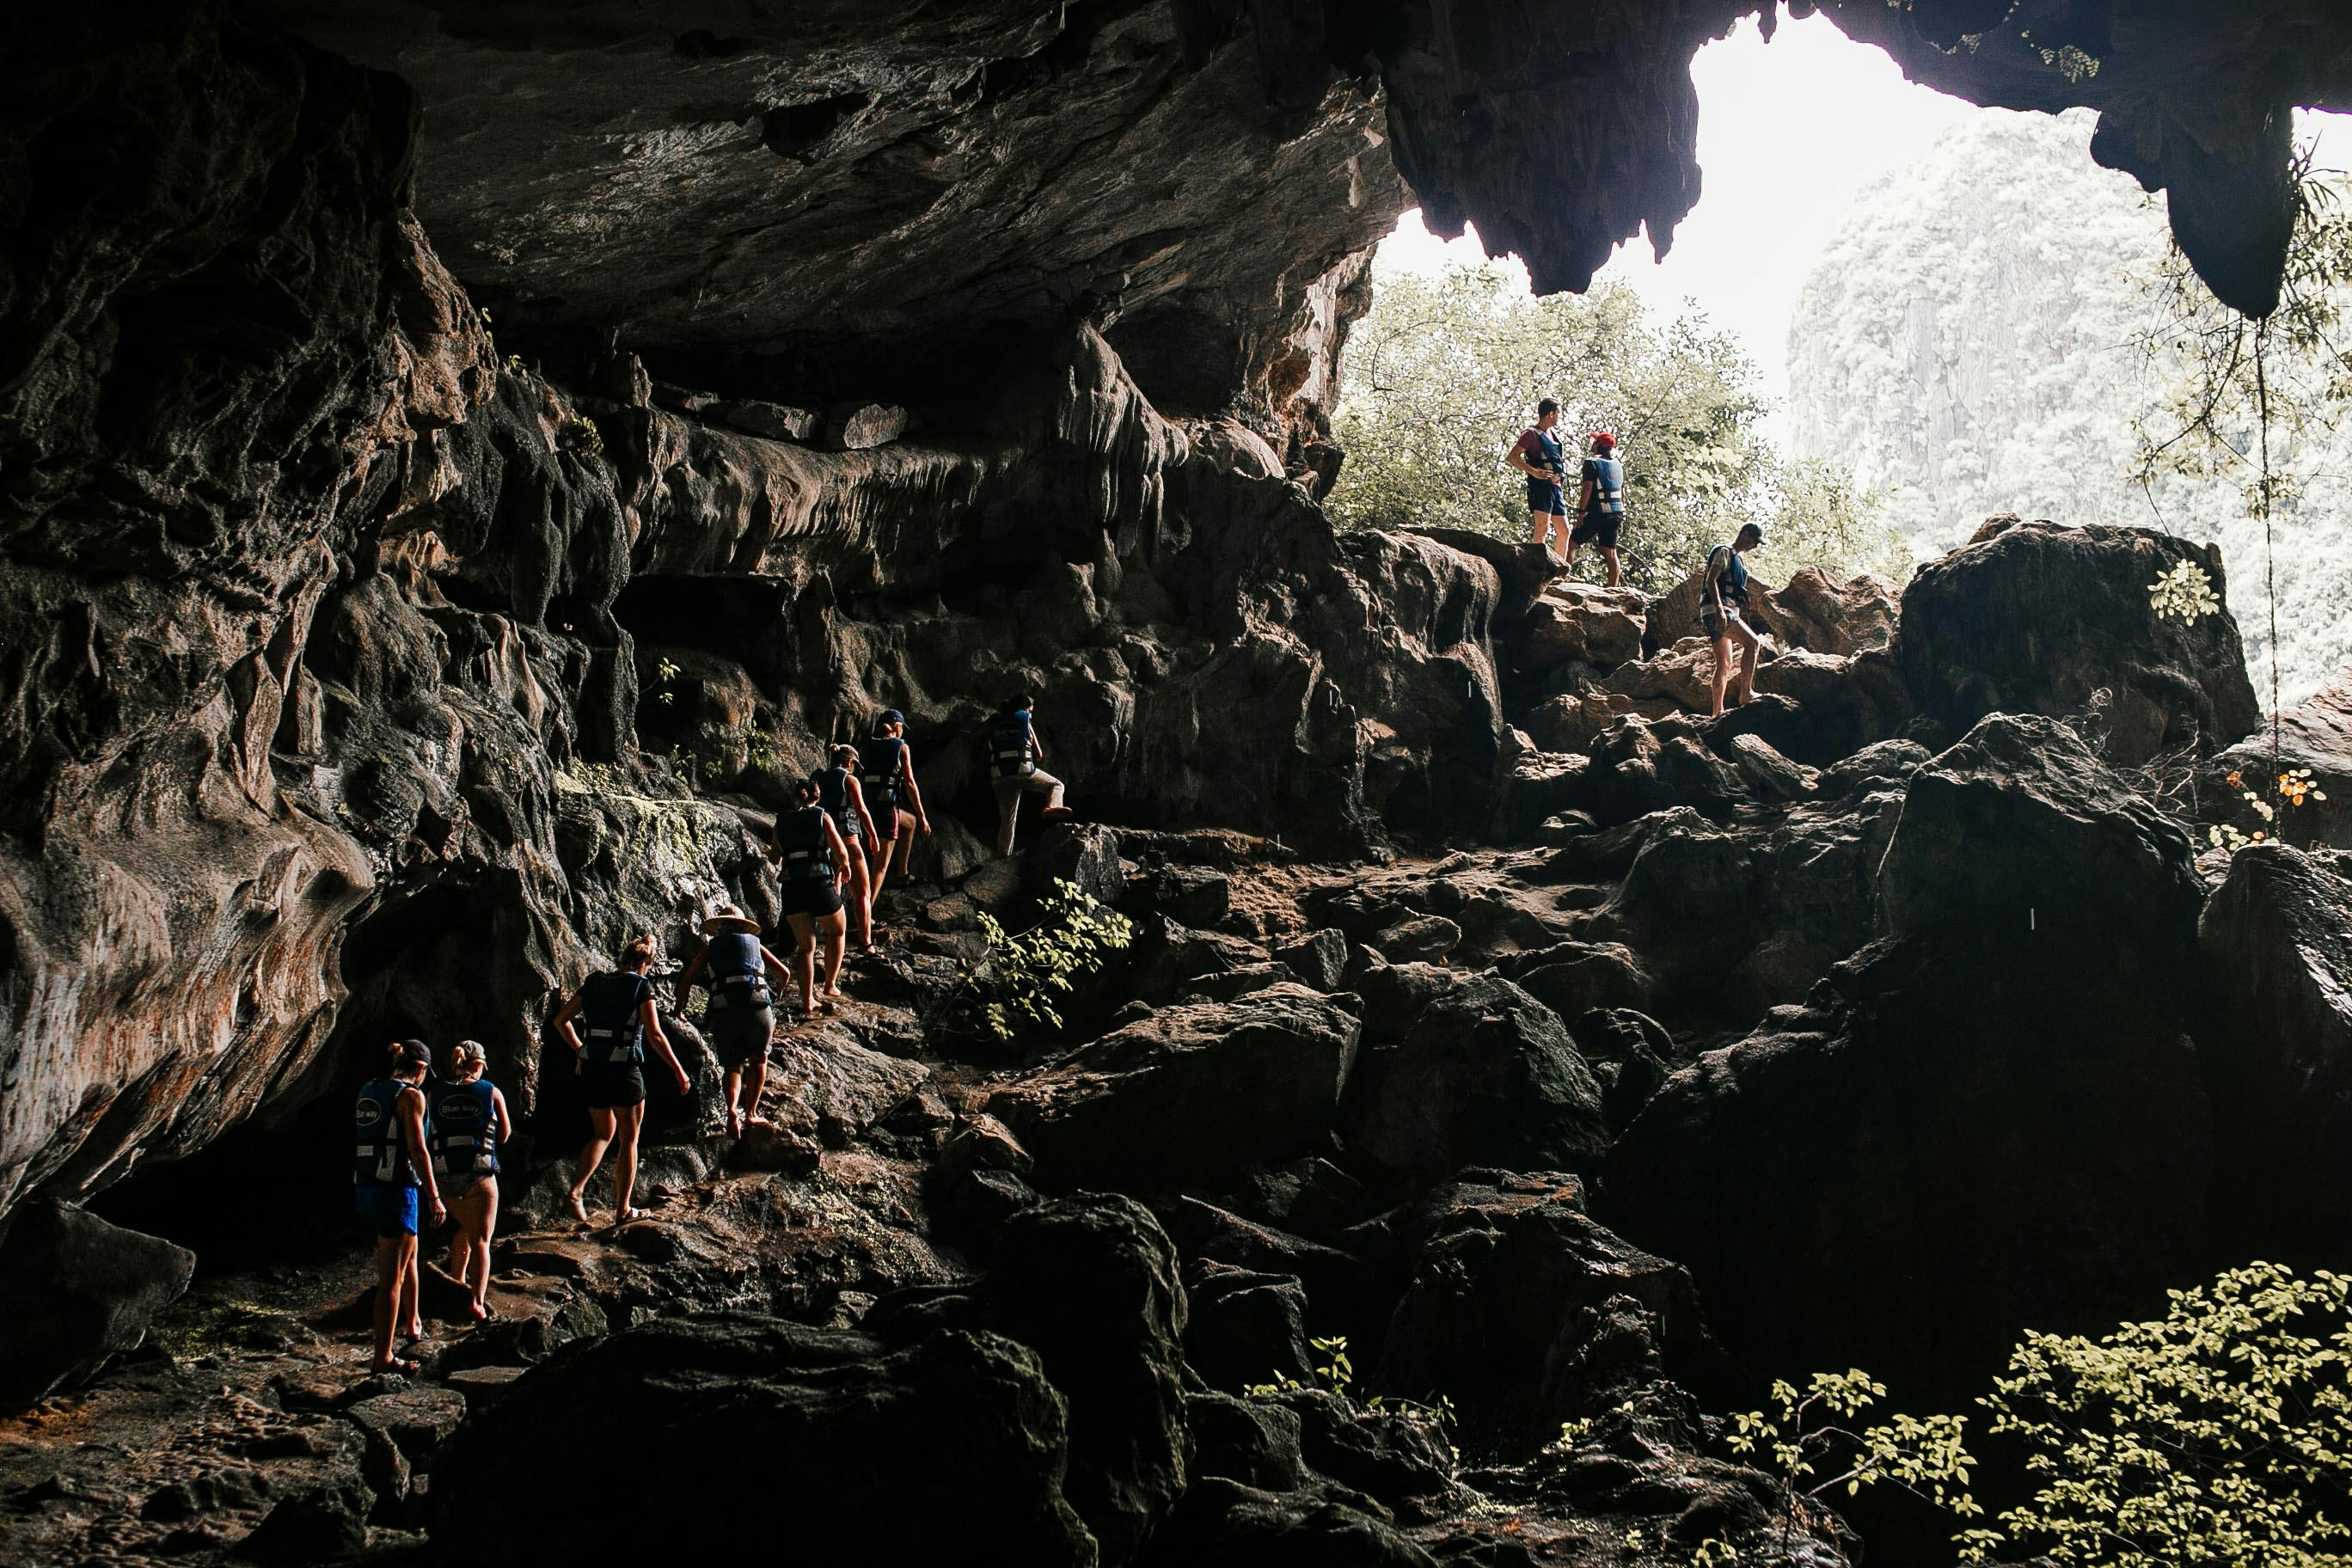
x,y
250,1428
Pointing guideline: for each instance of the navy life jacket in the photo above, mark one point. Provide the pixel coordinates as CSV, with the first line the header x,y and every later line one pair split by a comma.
x,y
1548,455
1608,477
610,1007
881,761
1735,576
465,1139
1012,745
833,794
801,841
382,1157
738,972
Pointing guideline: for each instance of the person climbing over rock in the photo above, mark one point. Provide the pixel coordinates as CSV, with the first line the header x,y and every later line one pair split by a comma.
x,y
1538,456
617,1007
470,1122
1723,599
742,1020
1014,750
887,772
391,1164
1600,504
843,800
812,862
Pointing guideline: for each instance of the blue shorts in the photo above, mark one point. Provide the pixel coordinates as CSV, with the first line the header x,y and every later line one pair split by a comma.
x,y
1544,497
392,1211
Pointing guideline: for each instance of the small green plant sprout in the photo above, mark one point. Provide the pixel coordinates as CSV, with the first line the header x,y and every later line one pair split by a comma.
x,y
2186,592
1714,1552
1571,1433
514,365
2298,786
665,674
1337,1370
1025,974
1807,1442
2220,1434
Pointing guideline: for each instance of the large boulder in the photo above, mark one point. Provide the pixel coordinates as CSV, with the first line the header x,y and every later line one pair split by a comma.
x,y
74,1291
2036,618
2278,940
1581,623
1197,1092
1091,1285
1502,1267
1812,611
1990,1121
1488,1075
872,1455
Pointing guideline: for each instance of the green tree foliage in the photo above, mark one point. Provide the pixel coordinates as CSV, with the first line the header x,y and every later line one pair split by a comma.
x,y
1444,373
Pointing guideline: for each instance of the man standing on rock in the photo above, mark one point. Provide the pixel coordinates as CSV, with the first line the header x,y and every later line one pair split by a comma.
x,y
1601,503
1722,599
1538,456
1014,750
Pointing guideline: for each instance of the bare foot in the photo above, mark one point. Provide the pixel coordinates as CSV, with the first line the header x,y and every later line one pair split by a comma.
x,y
578,1205
478,1310
734,1123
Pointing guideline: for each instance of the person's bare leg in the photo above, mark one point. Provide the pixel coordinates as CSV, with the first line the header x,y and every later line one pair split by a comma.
x,y
391,1270
485,1197
409,1292
730,1087
805,961
1722,670
461,1246
1609,555
599,1136
903,846
1749,648
861,884
837,941
625,1160
755,1084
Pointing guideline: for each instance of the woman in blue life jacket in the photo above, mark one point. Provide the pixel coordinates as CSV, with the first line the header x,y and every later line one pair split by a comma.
x,y
843,800
392,1163
885,770
812,862
470,1122
1722,601
740,1021
617,1009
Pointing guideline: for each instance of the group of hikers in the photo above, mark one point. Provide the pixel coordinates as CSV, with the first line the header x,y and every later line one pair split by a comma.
x,y
428,1149
1600,519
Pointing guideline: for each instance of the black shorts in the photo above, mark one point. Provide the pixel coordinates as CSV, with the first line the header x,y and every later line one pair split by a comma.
x,y
612,1086
1716,626
886,823
1546,497
1599,528
808,895
737,1034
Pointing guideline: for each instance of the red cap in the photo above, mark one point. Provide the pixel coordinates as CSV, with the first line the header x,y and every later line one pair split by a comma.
x,y
1605,441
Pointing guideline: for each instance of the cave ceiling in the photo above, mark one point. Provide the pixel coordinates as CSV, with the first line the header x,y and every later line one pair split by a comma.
x,y
724,176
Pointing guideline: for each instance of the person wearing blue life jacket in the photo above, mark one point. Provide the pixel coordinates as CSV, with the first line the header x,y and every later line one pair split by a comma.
x,y
617,1017
468,1122
1538,455
1722,612
1014,751
843,799
740,1021
392,1163
812,862
886,769
1600,504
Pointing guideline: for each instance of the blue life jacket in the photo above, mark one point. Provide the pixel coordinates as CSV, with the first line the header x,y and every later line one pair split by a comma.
x,y
382,1157
1012,745
801,841
1608,477
739,971
610,1007
1548,455
465,1139
1733,586
881,761
833,794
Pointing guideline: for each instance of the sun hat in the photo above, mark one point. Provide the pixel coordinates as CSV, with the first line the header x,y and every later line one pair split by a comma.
x,y
728,917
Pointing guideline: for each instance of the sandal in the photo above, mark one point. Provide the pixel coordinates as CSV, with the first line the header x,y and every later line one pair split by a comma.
x,y
398,1367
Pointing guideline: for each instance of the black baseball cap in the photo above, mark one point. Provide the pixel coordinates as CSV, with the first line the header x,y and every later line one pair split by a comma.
x,y
413,1051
